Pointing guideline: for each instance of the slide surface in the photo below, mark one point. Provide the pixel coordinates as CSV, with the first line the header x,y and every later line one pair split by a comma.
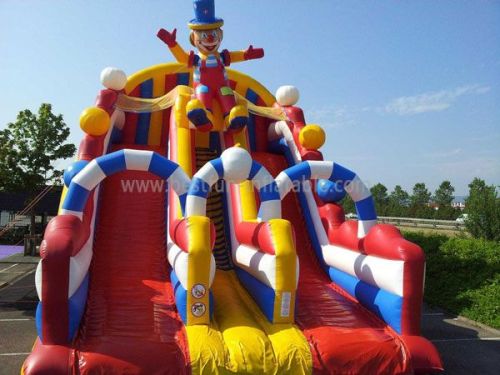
x,y
131,324
344,337
239,338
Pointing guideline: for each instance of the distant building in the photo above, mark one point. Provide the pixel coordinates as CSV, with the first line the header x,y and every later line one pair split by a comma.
x,y
460,205
459,202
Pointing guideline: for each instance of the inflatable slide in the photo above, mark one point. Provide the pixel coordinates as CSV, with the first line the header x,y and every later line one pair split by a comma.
x,y
212,241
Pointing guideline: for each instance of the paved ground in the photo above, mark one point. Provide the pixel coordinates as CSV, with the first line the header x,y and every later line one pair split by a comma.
x,y
465,347
18,301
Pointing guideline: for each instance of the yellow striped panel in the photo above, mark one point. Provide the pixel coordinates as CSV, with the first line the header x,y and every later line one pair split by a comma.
x,y
286,263
207,351
246,81
184,150
156,121
199,256
174,68
182,136
248,202
161,70
247,196
242,87
184,95
241,139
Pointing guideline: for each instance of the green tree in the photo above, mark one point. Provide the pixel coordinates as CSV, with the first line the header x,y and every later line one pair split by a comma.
x,y
399,202
483,210
5,161
28,149
420,199
443,197
348,205
379,194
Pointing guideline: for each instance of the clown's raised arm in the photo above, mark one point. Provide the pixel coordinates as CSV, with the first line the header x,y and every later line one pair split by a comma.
x,y
178,52
170,40
249,54
207,42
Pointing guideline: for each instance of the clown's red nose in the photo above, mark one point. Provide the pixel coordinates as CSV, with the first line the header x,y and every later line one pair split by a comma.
x,y
210,39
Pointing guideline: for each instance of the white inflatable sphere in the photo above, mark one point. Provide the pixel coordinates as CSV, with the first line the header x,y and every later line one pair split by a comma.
x,y
287,95
113,78
237,163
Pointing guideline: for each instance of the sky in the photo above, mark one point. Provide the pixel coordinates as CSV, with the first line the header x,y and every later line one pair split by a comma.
x,y
407,91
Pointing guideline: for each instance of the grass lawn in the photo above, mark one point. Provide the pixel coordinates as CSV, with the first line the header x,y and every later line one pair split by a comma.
x,y
431,231
463,275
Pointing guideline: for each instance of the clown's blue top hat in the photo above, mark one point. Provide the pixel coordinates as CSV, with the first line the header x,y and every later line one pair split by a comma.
x,y
204,12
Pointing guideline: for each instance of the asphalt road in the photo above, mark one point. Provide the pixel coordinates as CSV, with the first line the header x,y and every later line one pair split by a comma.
x,y
17,323
464,347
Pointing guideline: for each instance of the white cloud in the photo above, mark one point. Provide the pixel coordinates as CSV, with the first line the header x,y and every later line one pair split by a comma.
x,y
332,118
431,101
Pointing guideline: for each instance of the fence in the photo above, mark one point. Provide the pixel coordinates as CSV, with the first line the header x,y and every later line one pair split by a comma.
x,y
423,223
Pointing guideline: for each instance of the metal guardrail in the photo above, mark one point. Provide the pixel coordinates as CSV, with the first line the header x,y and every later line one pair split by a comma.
x,y
423,223
417,223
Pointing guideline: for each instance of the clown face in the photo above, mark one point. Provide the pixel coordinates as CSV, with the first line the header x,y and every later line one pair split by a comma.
x,y
207,41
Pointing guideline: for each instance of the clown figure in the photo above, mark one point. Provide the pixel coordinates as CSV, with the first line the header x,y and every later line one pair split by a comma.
x,y
209,78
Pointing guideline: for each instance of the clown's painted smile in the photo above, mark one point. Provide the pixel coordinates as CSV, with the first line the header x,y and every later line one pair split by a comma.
x,y
207,41
210,46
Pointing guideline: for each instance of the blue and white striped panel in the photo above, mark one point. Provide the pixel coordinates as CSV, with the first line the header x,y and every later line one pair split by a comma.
x,y
137,160
388,306
386,274
207,176
260,265
270,201
357,190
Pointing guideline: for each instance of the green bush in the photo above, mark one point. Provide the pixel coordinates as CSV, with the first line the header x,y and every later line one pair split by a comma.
x,y
483,210
463,275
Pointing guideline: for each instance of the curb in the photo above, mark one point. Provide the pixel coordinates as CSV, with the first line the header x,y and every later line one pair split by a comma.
x,y
492,330
16,258
471,322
